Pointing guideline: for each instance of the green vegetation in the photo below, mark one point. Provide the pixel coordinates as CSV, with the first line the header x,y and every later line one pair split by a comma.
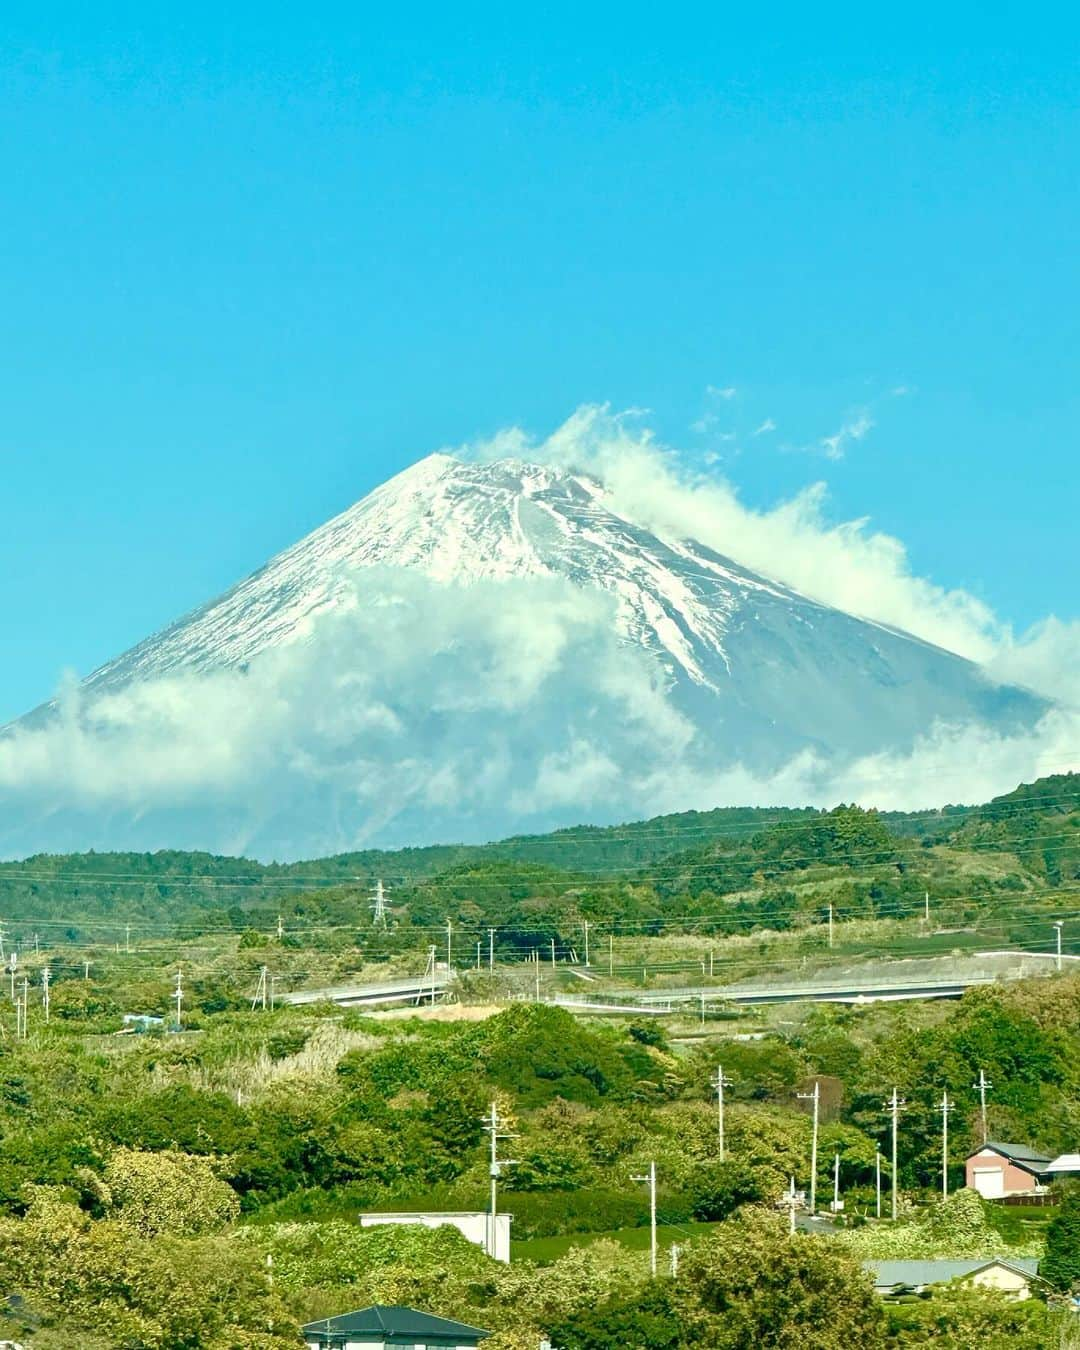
x,y
146,1178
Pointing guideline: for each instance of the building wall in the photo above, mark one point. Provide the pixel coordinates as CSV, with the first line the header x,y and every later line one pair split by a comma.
x,y
1014,1180
1008,1281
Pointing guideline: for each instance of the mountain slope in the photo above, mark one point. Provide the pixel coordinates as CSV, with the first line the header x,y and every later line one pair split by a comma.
x,y
474,650
761,668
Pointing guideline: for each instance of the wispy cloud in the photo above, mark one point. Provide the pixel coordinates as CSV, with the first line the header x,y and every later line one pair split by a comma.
x,y
726,392
854,429
765,427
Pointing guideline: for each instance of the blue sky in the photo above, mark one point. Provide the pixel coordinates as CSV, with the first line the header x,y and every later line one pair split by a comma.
x,y
254,263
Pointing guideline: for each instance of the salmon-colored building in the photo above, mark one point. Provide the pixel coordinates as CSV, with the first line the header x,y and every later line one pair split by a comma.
x,y
999,1170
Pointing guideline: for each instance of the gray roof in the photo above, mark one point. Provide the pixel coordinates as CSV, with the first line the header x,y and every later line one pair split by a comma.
x,y
913,1274
395,1321
1023,1154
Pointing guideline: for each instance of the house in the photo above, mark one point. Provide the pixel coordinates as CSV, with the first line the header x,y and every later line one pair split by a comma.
x,y
999,1170
1065,1165
473,1225
1014,1276
380,1327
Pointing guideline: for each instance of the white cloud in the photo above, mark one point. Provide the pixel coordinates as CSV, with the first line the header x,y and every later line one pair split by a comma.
x,y
456,706
727,393
765,427
835,446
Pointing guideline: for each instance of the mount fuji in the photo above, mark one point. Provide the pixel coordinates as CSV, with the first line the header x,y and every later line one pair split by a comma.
x,y
471,650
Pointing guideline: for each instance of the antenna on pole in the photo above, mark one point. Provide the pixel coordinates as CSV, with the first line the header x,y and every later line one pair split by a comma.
x,y
814,1097
650,1177
983,1086
720,1084
380,907
945,1107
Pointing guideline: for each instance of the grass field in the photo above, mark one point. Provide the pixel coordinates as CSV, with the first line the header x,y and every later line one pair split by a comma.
x,y
545,1250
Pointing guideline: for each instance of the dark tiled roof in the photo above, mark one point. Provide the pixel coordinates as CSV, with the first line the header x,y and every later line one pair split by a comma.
x,y
394,1320
1019,1153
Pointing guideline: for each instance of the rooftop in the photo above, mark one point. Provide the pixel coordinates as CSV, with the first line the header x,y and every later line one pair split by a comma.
x,y
395,1320
1018,1153
888,1274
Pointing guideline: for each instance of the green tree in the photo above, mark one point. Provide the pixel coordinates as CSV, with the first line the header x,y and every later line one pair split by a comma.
x,y
753,1284
1061,1265
168,1192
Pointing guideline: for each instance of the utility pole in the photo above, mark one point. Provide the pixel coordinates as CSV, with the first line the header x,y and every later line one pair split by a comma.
x,y
1,939
650,1177
12,965
379,906
702,1009
610,954
280,927
86,970
830,925
552,953
178,994
46,976
877,1180
926,907
945,1107
836,1185
814,1097
449,947
429,973
710,965
894,1106
981,1086
478,956
720,1084
491,949
538,981
495,1170
261,991
587,944
1058,925
791,1203
25,1006
37,949
127,937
